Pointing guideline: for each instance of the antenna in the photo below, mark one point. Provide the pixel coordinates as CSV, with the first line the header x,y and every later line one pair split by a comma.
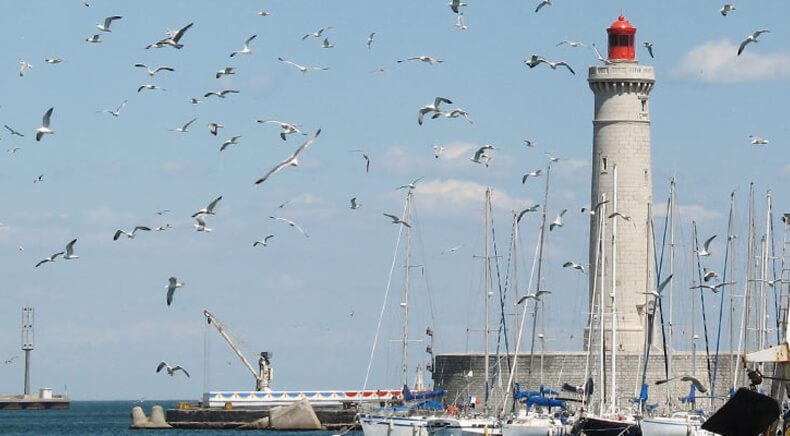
x,y
27,342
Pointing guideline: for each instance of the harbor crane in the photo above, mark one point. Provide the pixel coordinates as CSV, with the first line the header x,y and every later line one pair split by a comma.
x,y
263,377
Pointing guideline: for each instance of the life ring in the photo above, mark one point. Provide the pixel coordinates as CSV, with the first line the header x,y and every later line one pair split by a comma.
x,y
452,410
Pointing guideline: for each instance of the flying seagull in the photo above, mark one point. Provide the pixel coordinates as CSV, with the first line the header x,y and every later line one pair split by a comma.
x,y
153,72
687,378
150,86
600,56
437,150
480,154
431,108
573,265
208,210
618,214
13,132
183,129
460,23
594,210
24,67
264,13
354,204
536,296
225,71
105,27
70,250
533,208
11,359
751,38
129,235
316,34
53,61
246,50
649,47
456,5
200,226
49,259
541,4
300,67
714,288
287,127
228,142
535,173
705,246
327,44
292,160
452,249
396,220
426,59
366,157
657,292
756,140
529,143
116,112
171,370
95,39
571,43
194,101
290,223
221,94
410,186
44,129
40,178
727,8
213,127
708,274
552,158
558,221
172,285
455,113
536,60
370,39
172,41
162,228
264,242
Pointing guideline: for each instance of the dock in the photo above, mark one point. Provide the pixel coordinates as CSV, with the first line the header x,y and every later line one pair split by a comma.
x,y
11,402
225,419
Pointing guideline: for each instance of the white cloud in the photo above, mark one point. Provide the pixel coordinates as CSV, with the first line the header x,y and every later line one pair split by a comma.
x,y
718,62
454,196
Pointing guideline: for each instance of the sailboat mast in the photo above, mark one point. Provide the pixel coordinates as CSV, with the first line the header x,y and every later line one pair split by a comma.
x,y
766,263
731,270
540,265
516,333
694,299
602,305
671,286
613,394
487,290
406,292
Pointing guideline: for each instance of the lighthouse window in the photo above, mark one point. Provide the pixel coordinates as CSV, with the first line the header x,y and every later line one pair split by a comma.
x,y
644,105
603,163
620,40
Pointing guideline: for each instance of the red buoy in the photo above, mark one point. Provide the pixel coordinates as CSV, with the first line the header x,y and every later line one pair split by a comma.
x,y
621,40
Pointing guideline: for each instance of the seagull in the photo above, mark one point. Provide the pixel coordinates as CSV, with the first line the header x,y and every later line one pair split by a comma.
x,y
714,288
558,221
709,274
571,43
13,132
201,224
94,39
85,2
291,160
316,34
455,113
600,56
480,154
246,50
171,369
116,112
225,71
53,61
751,38
426,59
452,249
657,292
366,157
300,67
727,8
535,173
194,101
756,140
536,296
150,86
370,39
573,265
283,204
431,108
287,127
290,223
625,217
156,70
460,24
228,142
175,36
396,220
213,127
183,129
526,210
552,158
11,359
40,178
208,210
437,150
25,67
162,212
70,250
705,246
529,143
221,94
264,242
649,47
354,204
264,13
327,44
594,210
162,228
541,4
535,60
49,259
107,21
410,186
44,129
13,150
129,235
456,5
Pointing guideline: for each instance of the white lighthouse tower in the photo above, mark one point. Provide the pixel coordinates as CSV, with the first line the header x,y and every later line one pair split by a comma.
x,y
621,176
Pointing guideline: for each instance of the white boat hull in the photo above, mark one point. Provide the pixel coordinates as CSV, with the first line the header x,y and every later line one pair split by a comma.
x,y
536,427
392,425
463,427
673,426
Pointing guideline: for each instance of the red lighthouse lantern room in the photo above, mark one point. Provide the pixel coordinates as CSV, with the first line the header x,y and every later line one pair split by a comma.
x,y
621,40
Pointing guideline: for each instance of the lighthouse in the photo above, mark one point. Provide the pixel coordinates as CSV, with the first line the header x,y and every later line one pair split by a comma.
x,y
621,267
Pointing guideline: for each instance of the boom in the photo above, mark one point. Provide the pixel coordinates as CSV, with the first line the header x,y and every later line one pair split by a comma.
x,y
262,378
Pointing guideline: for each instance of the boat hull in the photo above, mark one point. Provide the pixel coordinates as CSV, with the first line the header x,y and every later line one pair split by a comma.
x,y
671,426
392,425
464,427
535,428
596,426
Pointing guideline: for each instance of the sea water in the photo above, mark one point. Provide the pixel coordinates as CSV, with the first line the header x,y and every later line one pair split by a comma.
x,y
101,418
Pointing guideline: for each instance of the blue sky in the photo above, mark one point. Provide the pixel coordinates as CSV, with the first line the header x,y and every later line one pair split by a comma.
x,y
102,324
